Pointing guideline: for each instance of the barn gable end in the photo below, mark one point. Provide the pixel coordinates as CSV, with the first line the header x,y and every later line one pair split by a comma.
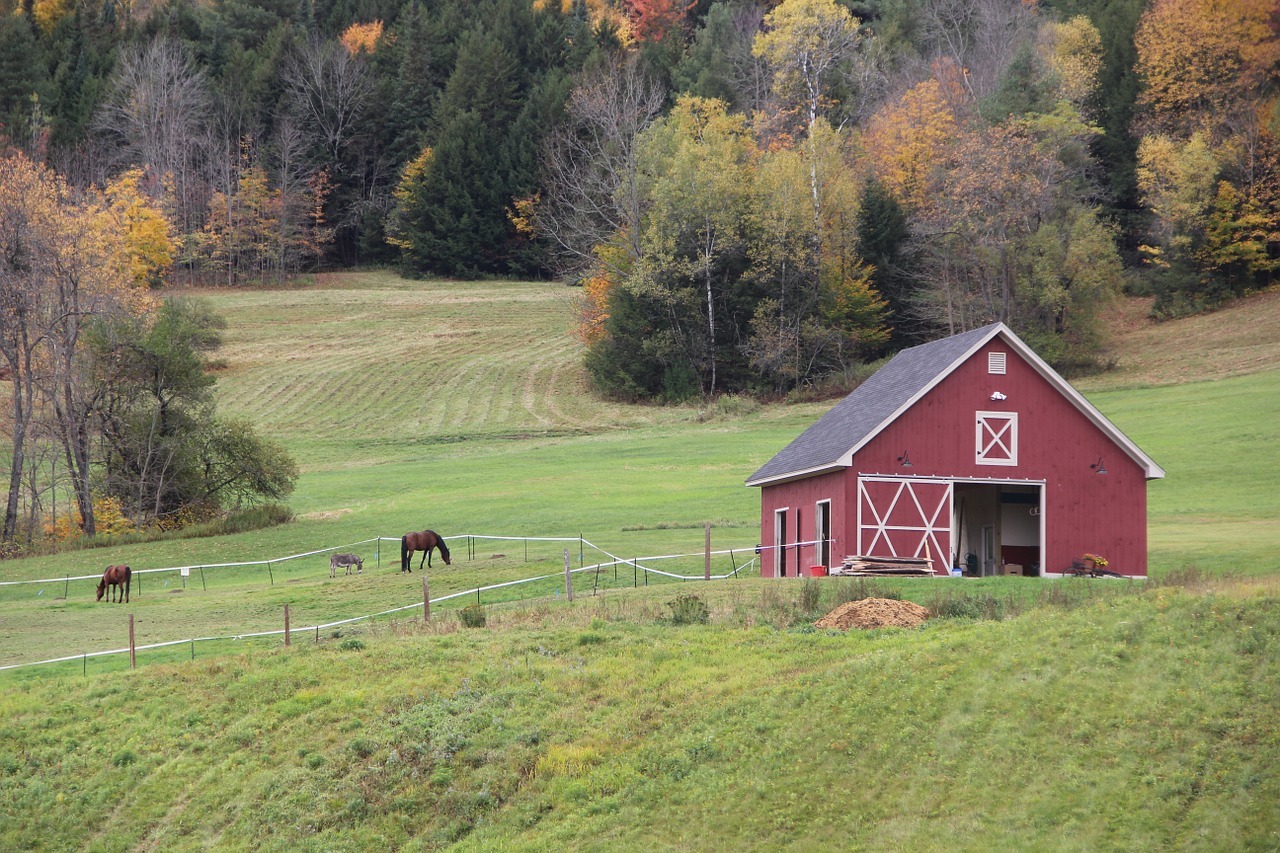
x,y
969,447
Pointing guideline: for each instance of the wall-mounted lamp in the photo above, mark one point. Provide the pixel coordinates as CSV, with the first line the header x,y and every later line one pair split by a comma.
x,y
905,460
998,396
1098,467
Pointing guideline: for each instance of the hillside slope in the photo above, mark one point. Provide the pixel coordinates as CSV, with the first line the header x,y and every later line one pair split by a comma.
x,y
1120,722
1239,339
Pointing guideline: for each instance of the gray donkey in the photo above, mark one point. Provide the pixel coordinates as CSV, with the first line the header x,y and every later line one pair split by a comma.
x,y
348,560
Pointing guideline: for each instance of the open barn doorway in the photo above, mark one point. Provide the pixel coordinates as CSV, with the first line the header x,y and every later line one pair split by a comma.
x,y
999,528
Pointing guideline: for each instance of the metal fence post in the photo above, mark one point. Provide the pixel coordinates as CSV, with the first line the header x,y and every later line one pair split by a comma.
x,y
706,563
568,580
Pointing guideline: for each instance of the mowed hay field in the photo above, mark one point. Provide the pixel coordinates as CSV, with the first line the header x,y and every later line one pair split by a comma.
x,y
1028,715
361,369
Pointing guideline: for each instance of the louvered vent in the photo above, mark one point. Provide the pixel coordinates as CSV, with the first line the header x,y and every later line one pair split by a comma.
x,y
995,362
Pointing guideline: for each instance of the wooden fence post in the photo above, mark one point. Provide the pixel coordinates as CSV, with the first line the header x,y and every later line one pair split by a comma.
x,y
286,625
133,655
426,601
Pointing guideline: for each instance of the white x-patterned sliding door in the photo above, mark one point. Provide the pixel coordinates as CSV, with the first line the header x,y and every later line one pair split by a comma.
x,y
905,518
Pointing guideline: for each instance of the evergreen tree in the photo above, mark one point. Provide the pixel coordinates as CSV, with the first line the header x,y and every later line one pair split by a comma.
x,y
883,232
708,69
23,79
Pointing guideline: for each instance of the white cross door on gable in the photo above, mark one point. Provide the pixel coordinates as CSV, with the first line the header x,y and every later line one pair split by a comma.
x,y
997,438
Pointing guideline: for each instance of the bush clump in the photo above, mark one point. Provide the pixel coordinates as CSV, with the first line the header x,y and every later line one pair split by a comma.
x,y
689,610
473,616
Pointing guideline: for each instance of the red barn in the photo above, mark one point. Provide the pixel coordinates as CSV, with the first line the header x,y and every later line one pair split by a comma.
x,y
970,451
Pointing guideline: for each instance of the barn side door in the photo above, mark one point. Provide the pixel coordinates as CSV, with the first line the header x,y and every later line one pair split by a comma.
x,y
905,518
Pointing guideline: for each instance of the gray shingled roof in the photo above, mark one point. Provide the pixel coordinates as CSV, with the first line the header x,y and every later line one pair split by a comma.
x,y
871,405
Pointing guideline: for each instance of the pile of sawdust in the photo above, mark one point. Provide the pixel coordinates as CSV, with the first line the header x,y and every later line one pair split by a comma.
x,y
874,613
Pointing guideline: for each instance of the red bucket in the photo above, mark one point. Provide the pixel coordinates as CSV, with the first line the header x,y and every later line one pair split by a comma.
x,y
817,571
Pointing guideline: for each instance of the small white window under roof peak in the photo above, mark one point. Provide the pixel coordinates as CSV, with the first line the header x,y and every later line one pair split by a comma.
x,y
995,363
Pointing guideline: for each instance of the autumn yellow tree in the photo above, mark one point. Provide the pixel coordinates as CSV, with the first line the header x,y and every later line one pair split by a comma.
x,y
148,236
1208,161
805,42
63,264
1073,50
1202,60
909,139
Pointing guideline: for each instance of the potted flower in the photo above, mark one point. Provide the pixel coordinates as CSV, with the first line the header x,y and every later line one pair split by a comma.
x,y
1094,561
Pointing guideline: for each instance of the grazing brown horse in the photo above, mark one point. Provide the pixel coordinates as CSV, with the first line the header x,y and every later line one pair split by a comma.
x,y
118,578
422,541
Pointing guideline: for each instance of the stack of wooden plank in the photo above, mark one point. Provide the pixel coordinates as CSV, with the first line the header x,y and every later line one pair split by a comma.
x,y
870,567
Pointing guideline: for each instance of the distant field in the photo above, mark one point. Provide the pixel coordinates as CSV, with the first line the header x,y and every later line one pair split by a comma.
x,y
507,441
369,368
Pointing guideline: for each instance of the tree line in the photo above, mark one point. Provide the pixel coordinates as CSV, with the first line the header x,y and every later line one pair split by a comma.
x,y
828,187
754,196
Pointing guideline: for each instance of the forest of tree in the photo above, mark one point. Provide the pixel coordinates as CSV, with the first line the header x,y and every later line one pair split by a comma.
x,y
754,196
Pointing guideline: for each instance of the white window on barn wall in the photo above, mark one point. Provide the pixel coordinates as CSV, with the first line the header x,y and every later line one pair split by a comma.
x,y
997,438
780,542
996,363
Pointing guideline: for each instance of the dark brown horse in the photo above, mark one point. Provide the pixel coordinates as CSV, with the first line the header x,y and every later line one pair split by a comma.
x,y
422,541
118,578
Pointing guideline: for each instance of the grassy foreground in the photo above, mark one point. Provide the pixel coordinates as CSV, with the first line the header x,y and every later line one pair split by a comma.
x,y
1118,721
1068,716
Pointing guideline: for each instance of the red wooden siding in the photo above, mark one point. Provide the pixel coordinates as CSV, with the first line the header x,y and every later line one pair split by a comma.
x,y
804,495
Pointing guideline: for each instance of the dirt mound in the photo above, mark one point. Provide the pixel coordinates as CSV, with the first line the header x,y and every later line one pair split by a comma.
x,y
874,613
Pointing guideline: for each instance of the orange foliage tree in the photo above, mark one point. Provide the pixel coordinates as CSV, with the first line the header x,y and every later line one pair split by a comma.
x,y
362,38
651,20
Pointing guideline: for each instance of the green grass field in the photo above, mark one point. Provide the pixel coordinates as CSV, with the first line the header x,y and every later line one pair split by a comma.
x,y
1040,715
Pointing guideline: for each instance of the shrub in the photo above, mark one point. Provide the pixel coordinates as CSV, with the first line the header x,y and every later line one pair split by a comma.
x,y
960,605
727,407
689,610
810,595
473,616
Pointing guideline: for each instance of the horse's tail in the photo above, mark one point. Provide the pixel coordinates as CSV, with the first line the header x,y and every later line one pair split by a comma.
x,y
404,553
